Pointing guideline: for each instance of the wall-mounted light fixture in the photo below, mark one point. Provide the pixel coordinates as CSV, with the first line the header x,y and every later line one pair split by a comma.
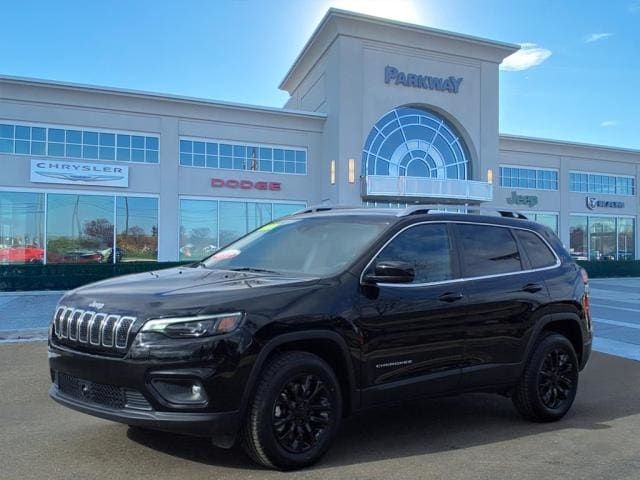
x,y
332,172
352,170
490,176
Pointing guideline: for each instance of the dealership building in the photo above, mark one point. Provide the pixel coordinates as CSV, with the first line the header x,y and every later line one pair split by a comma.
x,y
381,113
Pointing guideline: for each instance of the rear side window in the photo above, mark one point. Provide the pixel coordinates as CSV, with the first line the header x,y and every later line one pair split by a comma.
x,y
488,250
426,247
539,254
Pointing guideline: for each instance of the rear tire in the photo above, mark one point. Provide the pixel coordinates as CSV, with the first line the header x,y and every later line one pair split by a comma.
x,y
549,382
295,412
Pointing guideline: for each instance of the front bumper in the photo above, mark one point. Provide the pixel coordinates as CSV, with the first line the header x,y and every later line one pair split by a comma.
x,y
222,427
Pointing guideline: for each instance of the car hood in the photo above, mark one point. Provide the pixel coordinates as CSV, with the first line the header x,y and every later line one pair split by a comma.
x,y
183,290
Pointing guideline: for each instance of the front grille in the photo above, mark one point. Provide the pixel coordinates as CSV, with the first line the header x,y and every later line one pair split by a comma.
x,y
110,396
86,327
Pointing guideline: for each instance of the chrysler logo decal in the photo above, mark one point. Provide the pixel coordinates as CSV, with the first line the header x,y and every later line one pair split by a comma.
x,y
81,178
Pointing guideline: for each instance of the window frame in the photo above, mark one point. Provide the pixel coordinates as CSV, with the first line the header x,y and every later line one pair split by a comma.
x,y
592,177
457,255
535,179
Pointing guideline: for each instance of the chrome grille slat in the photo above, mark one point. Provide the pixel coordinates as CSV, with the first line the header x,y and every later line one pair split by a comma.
x,y
91,328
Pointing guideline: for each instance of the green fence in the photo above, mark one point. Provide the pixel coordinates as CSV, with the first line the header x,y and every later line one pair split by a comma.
x,y
64,277
600,269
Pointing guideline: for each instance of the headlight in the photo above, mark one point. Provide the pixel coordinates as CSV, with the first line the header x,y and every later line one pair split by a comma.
x,y
194,327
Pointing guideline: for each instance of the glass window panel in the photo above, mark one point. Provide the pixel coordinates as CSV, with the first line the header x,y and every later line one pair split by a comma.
x,y
301,168
278,154
151,143
56,149
278,167
266,165
137,141
198,160
137,155
212,148
212,161
23,133
289,167
284,209
198,147
186,159
225,149
80,228
578,246
124,141
21,227
226,162
537,251
136,230
239,163
38,148
22,146
186,146
38,133
626,239
151,156
74,136
488,250
301,156
90,138
602,238
107,139
427,248
240,151
6,145
107,153
123,154
258,214
233,221
289,155
266,153
56,135
6,131
89,151
198,228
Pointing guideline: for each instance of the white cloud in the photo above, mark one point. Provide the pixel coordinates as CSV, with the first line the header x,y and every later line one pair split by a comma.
x,y
609,123
594,37
528,56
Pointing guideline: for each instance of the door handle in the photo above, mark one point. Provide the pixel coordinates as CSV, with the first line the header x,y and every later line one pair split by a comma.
x,y
450,297
532,288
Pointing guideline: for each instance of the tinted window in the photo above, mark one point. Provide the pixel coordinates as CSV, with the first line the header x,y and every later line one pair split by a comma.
x,y
488,250
427,248
537,251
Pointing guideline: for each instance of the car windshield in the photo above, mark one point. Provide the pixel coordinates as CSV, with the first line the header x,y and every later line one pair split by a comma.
x,y
318,246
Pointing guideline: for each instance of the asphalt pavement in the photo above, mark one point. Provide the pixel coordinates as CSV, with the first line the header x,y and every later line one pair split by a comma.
x,y
469,437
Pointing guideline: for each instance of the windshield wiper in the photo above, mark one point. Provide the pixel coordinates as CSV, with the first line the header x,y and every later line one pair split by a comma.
x,y
251,269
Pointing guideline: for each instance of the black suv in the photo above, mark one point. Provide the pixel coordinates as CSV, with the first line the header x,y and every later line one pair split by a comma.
x,y
276,337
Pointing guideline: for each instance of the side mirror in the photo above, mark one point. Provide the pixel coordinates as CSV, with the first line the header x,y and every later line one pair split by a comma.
x,y
391,272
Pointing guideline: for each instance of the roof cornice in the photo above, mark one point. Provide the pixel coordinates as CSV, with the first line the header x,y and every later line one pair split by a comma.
x,y
337,22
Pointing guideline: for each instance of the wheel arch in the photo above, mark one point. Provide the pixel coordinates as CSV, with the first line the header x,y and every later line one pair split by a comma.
x,y
565,323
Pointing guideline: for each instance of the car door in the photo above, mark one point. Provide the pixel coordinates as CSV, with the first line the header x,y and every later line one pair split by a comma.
x,y
505,296
412,334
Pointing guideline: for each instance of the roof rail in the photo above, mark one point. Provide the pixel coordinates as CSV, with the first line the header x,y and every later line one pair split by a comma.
x,y
322,208
425,209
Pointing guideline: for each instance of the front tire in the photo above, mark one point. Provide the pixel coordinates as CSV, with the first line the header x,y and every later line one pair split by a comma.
x,y
295,412
549,382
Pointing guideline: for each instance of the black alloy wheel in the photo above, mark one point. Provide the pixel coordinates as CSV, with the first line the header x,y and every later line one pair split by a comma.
x,y
556,378
301,413
549,383
295,412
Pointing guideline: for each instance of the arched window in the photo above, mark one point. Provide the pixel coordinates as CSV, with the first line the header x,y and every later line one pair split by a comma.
x,y
415,142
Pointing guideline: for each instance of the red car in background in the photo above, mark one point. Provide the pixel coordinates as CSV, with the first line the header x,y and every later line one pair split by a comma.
x,y
22,254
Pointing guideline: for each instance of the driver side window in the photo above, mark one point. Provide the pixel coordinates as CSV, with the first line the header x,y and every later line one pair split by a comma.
x,y
426,247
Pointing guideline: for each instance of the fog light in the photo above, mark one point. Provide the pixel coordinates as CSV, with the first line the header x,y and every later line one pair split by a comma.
x,y
181,391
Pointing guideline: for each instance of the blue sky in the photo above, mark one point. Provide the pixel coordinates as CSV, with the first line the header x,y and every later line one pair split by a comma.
x,y
578,79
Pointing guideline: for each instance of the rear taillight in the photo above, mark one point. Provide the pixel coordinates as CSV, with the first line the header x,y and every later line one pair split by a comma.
x,y
585,296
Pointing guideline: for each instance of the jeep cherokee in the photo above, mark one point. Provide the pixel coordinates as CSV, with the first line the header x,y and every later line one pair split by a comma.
x,y
275,338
